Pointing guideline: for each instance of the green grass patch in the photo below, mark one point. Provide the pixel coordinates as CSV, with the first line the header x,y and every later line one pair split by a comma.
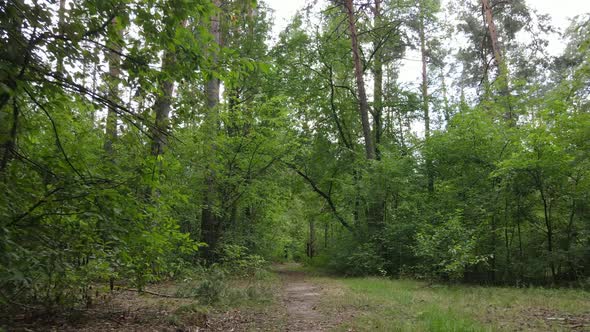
x,y
379,304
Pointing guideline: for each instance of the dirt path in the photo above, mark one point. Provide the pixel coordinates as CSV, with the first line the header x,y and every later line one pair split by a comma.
x,y
301,298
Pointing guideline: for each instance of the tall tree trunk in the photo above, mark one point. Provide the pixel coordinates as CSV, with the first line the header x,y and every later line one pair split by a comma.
x,y
95,64
61,21
160,129
520,248
377,83
311,242
548,223
357,197
402,140
570,238
493,259
376,204
8,139
549,226
360,82
326,234
114,60
498,60
508,237
493,32
209,220
162,107
425,106
447,110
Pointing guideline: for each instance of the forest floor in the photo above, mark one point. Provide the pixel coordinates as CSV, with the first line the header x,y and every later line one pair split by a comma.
x,y
302,298
293,298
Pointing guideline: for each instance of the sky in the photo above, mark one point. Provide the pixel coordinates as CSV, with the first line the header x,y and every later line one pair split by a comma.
x,y
559,10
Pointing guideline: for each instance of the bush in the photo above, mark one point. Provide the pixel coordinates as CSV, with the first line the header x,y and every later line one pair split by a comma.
x,y
448,249
354,259
208,286
237,261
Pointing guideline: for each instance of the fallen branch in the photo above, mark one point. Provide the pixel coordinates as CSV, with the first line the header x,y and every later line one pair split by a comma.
x,y
156,294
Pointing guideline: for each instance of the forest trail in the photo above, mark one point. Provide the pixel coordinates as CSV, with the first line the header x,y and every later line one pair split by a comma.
x,y
301,298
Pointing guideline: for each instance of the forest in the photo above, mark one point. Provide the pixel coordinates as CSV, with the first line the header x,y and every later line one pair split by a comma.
x,y
145,141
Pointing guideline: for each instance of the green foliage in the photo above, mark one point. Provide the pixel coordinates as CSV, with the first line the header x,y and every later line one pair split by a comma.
x,y
237,260
276,169
364,260
221,285
448,249
213,288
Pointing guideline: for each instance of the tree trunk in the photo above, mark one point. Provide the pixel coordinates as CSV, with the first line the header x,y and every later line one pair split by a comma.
x,y
570,239
311,243
489,17
360,82
326,229
498,60
425,106
447,111
8,140
493,258
209,220
548,224
508,238
378,83
114,60
61,21
162,107
520,248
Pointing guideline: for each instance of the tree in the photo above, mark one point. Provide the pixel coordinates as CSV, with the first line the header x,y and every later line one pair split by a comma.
x,y
209,221
360,82
424,12
378,79
114,49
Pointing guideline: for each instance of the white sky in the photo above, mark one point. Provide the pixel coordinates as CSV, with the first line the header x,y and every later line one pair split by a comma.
x,y
559,10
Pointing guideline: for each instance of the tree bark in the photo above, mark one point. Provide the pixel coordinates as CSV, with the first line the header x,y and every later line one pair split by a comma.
x,y
8,145
570,238
61,21
210,227
498,60
548,224
447,110
360,82
493,32
425,106
162,107
114,60
378,83
311,250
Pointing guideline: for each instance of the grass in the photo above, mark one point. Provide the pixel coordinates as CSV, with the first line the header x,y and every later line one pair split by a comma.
x,y
220,302
224,301
380,304
360,304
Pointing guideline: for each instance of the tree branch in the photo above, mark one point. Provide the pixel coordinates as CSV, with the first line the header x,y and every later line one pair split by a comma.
x,y
325,196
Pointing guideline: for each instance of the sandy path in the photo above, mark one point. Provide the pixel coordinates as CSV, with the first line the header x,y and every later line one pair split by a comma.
x,y
301,298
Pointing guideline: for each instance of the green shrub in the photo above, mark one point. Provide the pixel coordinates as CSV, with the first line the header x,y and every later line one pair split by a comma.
x,y
448,249
353,259
206,285
237,261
